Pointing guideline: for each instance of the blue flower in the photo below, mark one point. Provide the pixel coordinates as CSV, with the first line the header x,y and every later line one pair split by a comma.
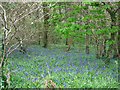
x,y
35,79
26,73
103,68
42,75
64,84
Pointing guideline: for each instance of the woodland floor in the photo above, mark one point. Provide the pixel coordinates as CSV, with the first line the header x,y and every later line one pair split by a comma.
x,y
72,69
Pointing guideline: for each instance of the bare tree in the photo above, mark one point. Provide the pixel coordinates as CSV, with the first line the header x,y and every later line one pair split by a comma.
x,y
10,21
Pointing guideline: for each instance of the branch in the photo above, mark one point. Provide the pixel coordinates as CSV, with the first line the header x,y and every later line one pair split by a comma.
x,y
20,12
117,9
1,20
44,15
111,11
26,15
32,12
108,10
4,17
13,49
1,62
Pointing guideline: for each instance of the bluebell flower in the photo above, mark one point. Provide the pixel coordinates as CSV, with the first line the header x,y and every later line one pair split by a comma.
x,y
35,79
77,70
20,68
82,78
69,64
28,78
47,65
114,69
42,75
97,73
40,68
64,84
26,73
95,67
59,69
103,68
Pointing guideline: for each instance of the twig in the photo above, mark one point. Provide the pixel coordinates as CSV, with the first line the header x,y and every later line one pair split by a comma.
x,y
12,47
13,50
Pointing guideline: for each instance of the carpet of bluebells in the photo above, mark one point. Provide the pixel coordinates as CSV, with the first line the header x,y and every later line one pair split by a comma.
x,y
72,69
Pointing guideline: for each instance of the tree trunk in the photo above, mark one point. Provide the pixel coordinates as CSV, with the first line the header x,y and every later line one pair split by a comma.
x,y
97,49
2,44
118,44
70,42
45,39
104,48
3,59
87,44
87,36
38,26
46,24
112,47
66,43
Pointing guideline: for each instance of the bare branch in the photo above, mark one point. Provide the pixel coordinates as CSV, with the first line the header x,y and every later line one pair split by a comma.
x,y
4,17
32,12
26,15
11,47
117,9
22,12
12,50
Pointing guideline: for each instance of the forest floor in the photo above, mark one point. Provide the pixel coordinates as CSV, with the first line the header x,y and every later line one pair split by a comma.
x,y
53,67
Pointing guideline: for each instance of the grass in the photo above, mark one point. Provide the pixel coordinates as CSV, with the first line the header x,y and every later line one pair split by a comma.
x,y
65,69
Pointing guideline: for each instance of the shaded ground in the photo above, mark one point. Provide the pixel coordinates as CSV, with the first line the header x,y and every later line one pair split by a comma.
x,y
65,69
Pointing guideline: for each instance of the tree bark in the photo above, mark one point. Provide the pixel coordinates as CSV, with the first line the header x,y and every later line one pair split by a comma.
x,y
87,44
46,24
87,36
118,44
97,49
112,47
66,43
104,48
69,43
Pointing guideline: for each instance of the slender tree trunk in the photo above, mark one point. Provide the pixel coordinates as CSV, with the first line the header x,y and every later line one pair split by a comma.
x,y
118,44
104,48
38,26
2,44
66,43
97,49
87,44
87,36
45,39
46,24
70,42
39,41
3,60
100,48
60,3
112,47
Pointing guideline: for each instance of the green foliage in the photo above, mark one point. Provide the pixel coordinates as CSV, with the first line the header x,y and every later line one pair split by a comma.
x,y
1,83
31,70
110,42
66,22
65,71
107,6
